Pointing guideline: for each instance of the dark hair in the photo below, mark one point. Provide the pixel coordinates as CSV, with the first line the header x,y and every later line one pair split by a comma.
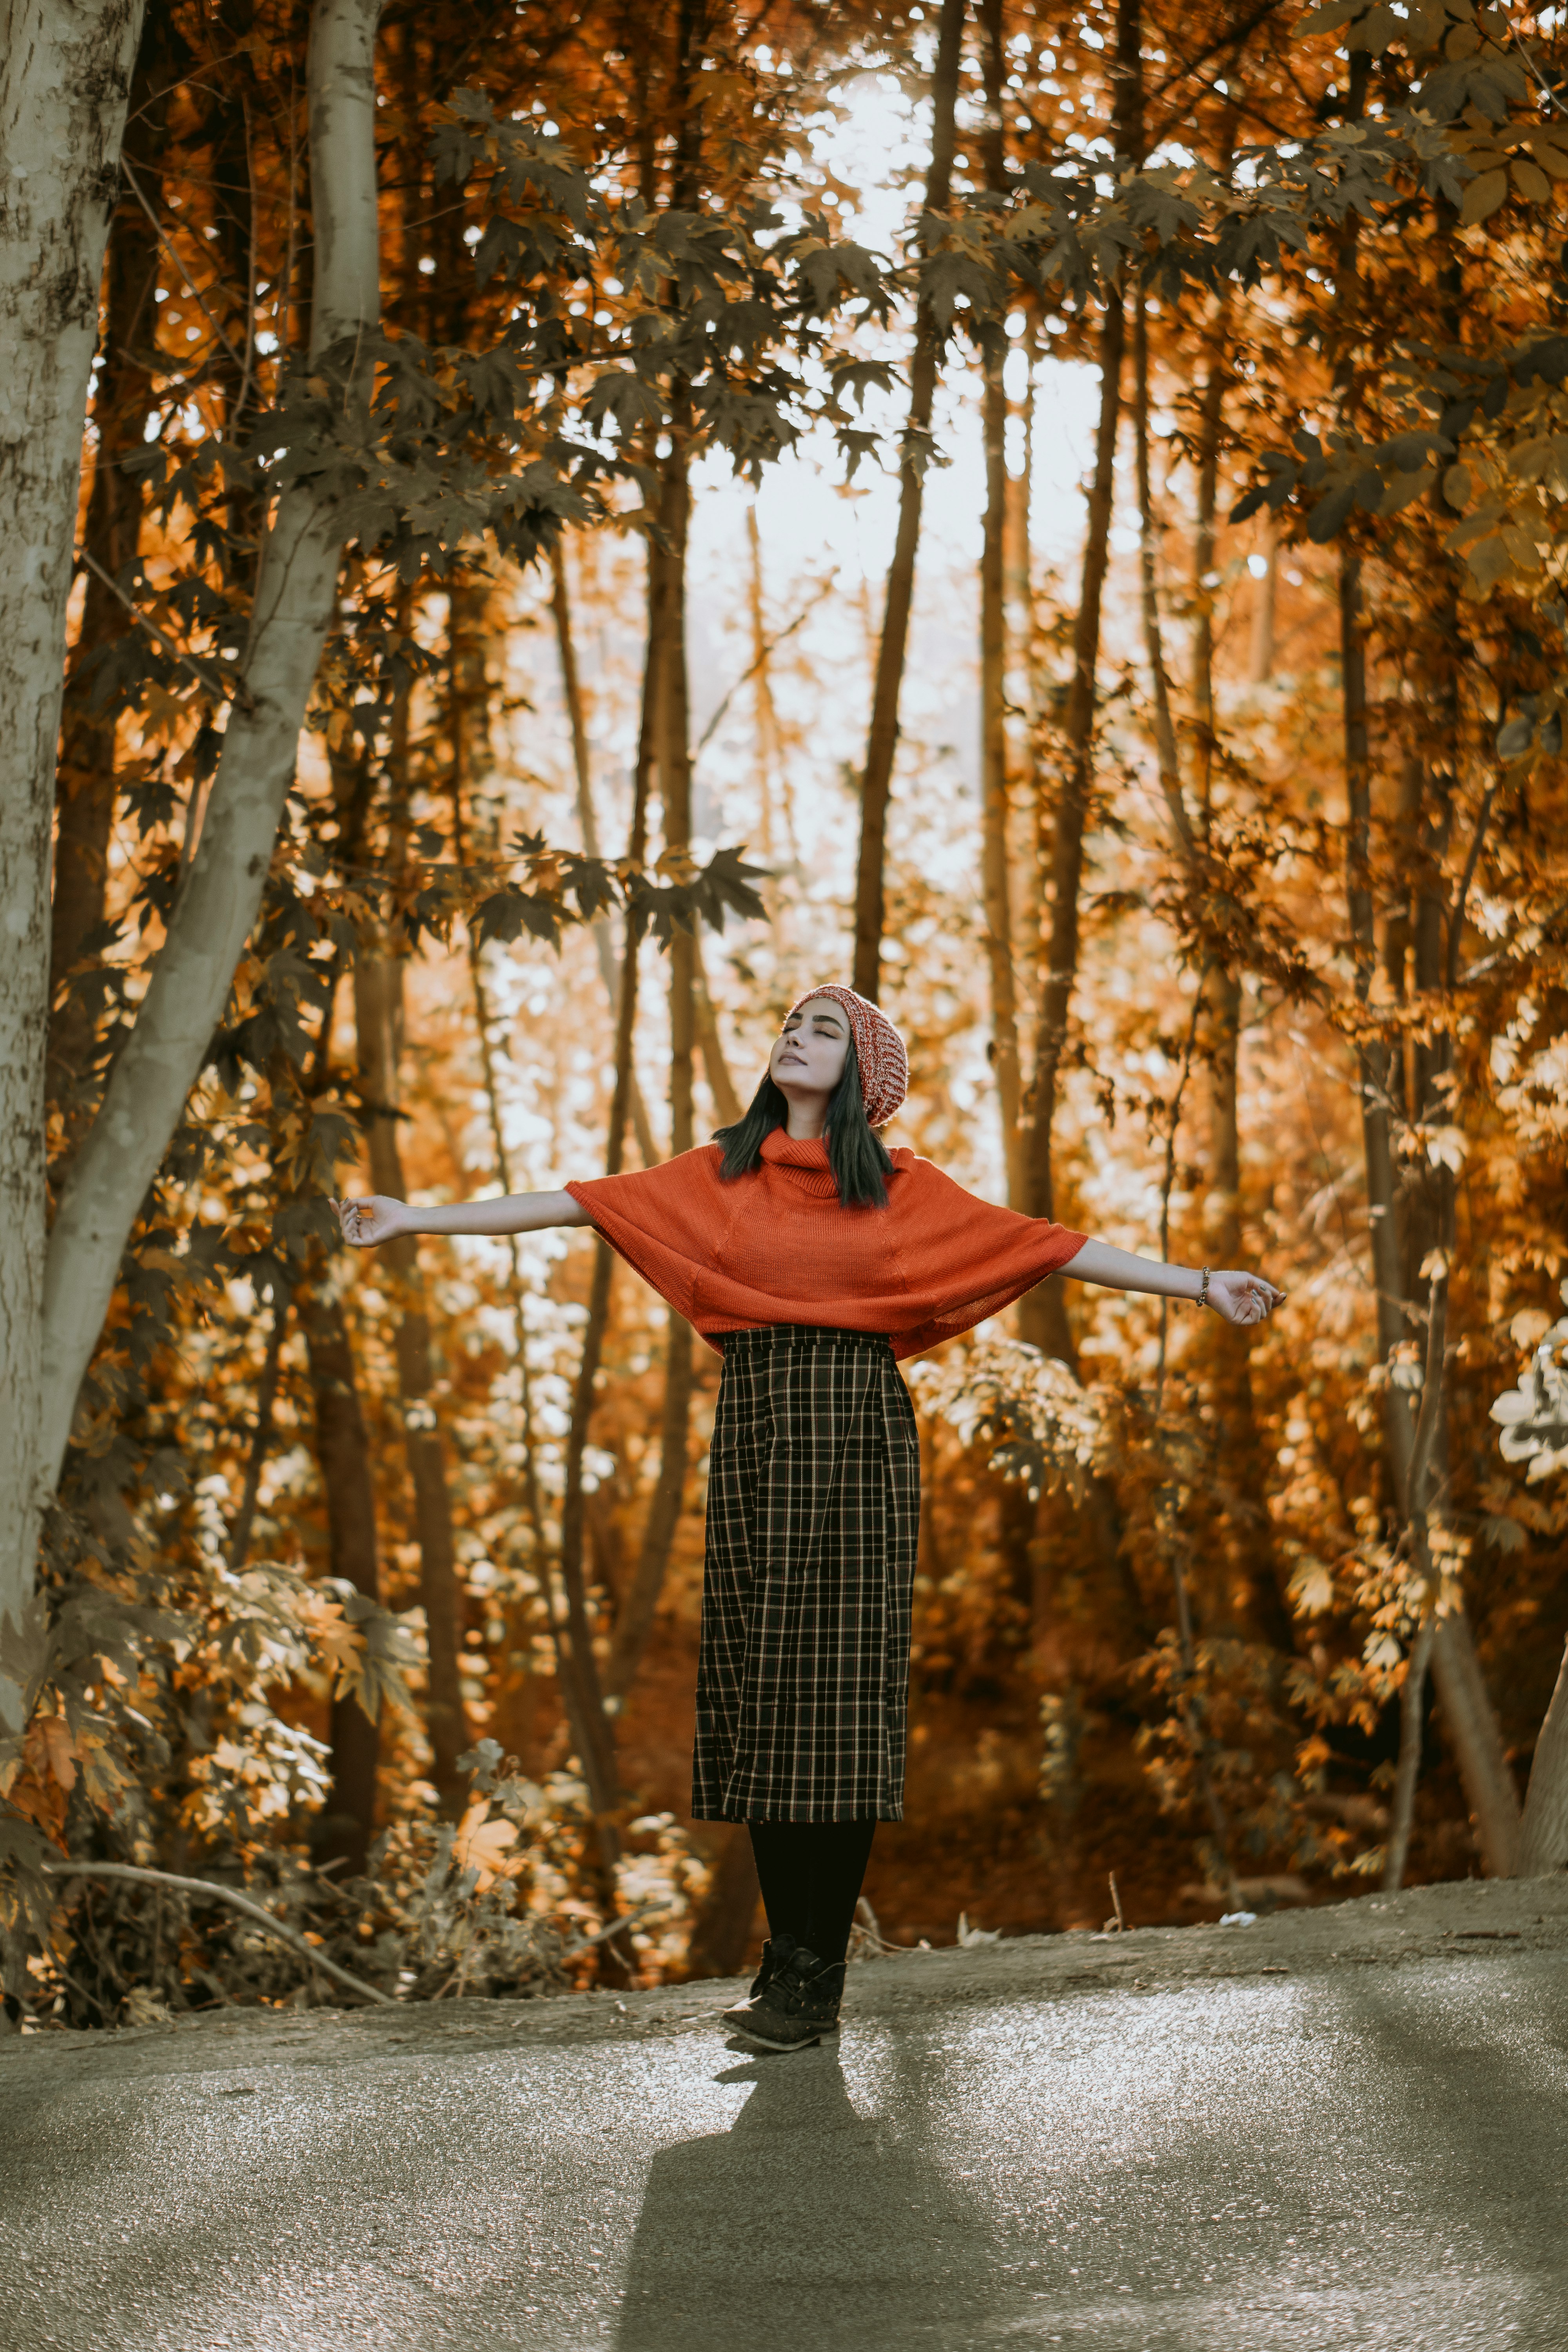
x,y
859,1161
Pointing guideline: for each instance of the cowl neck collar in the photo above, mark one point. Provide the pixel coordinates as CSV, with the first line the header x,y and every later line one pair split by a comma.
x,y
794,1151
804,1164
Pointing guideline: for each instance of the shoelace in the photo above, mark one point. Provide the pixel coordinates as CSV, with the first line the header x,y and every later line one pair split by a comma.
x,y
799,1985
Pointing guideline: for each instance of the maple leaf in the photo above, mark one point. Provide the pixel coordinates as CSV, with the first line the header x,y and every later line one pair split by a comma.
x,y
1155,203
855,445
823,269
496,385
622,395
480,1845
373,1674
341,1644
50,1750
100,1775
25,1646
509,913
947,276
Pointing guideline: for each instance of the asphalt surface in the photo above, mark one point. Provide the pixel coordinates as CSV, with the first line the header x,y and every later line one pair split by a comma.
x,y
1174,2142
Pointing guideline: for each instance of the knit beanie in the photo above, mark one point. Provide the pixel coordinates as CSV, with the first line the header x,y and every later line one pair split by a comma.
x,y
878,1049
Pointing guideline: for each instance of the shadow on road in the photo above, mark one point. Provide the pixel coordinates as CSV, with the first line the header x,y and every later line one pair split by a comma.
x,y
1471,2083
807,2222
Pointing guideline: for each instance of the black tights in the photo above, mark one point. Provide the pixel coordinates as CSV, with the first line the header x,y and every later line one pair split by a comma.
x,y
810,1874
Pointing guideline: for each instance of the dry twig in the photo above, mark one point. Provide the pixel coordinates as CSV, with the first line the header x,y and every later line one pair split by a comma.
x,y
237,1902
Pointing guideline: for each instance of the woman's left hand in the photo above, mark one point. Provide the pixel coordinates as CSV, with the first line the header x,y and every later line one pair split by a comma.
x,y
1243,1298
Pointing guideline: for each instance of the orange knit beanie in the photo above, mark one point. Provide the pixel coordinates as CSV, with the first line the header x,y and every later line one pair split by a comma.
x,y
878,1049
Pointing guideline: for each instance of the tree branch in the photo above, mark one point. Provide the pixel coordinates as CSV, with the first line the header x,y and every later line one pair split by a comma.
x,y
285,1935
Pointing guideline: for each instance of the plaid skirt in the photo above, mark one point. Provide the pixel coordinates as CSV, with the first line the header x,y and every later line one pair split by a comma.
x,y
812,1514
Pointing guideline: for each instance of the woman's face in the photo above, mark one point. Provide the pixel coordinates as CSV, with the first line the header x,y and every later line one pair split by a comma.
x,y
808,1059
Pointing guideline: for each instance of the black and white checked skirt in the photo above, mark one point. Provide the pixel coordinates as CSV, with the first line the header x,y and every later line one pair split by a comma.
x,y
812,1514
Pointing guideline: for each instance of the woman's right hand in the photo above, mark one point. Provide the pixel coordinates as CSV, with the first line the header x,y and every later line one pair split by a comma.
x,y
380,1218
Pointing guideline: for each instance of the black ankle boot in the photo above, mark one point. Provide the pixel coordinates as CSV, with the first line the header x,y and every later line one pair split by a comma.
x,y
798,2007
775,1954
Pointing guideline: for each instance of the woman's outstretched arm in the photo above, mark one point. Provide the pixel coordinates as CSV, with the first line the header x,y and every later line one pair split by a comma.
x,y
380,1218
1239,1297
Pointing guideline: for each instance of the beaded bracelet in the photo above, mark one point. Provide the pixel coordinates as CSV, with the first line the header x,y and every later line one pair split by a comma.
x,y
1203,1292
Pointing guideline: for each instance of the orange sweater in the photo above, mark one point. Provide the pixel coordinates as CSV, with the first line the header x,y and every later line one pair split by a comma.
x,y
779,1246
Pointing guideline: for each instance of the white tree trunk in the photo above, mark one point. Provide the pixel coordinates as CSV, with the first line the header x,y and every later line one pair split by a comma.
x,y
1544,1845
65,71
296,586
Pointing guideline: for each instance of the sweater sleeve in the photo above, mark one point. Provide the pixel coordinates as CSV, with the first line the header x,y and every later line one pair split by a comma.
x,y
963,1258
663,1221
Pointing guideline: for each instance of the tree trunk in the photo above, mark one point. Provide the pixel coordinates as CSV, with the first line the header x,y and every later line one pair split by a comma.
x,y
62,112
674,742
122,396
768,755
994,792
260,1434
1230,1349
1167,758
635,1617
1210,415
237,100
1471,1724
346,1824
664,738
1222,1032
1032,660
716,1070
1412,1707
1255,1565
378,1020
587,1722
582,1687
1469,1718
722,1929
1257,1574
1211,418
592,1739
1042,1313
882,741
294,599
1222,1043
1429,1238
1372,1071
588,819
1260,650
1544,1842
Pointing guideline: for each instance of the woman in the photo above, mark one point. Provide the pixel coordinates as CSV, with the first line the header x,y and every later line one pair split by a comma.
x,y
813,1258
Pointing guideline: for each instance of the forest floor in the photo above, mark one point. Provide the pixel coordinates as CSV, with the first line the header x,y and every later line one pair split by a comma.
x,y
1341,2127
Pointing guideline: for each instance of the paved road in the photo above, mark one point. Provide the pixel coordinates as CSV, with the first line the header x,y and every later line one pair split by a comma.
x,y
1371,2158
